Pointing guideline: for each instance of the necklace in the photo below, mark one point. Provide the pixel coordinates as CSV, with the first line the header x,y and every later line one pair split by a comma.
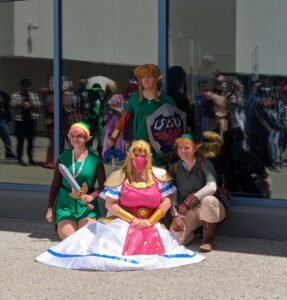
x,y
75,175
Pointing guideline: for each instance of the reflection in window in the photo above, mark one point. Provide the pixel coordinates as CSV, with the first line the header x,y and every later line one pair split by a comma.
x,y
26,63
99,56
236,85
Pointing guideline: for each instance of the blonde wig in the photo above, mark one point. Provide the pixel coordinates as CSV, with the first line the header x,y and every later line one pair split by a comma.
x,y
142,70
143,146
210,145
111,87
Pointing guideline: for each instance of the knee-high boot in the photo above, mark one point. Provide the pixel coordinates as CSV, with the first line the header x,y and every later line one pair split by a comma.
x,y
208,232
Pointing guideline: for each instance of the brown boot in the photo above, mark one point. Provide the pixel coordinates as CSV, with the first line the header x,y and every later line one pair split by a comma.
x,y
207,235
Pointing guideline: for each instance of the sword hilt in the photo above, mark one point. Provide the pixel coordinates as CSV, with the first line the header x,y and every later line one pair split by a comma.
x,y
82,191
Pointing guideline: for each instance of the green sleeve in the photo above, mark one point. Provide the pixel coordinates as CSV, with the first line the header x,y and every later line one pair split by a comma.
x,y
130,105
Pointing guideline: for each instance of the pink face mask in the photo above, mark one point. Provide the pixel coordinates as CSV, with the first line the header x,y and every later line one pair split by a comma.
x,y
139,163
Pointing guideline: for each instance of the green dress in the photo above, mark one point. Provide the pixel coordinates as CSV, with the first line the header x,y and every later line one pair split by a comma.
x,y
139,111
67,207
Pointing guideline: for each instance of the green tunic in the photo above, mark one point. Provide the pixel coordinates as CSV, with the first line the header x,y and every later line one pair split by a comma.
x,y
67,207
139,111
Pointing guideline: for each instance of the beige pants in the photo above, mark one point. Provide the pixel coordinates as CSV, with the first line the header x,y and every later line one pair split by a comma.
x,y
211,210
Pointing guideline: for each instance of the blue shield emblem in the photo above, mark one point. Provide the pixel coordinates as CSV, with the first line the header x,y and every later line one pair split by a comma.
x,y
164,126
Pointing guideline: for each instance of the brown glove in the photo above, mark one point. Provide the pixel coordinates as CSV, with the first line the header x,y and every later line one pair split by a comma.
x,y
173,212
190,202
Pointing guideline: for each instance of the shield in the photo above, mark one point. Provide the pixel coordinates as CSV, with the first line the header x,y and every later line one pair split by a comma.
x,y
164,126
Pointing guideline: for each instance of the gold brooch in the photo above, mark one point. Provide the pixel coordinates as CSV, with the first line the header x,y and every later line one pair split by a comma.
x,y
142,212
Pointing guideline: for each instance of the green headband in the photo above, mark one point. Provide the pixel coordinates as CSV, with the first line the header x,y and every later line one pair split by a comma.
x,y
84,126
187,136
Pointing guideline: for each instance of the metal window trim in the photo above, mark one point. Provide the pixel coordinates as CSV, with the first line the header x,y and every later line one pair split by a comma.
x,y
57,18
162,40
24,187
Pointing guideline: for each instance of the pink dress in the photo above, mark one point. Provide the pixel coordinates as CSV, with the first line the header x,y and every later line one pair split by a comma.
x,y
142,203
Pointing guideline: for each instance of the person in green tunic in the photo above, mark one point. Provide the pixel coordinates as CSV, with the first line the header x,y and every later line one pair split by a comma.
x,y
143,103
85,166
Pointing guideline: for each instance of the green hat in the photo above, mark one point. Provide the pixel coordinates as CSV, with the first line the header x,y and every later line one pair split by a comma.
x,y
84,126
187,136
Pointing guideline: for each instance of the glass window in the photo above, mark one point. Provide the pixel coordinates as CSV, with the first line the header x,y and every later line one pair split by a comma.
x,y
26,65
231,56
103,42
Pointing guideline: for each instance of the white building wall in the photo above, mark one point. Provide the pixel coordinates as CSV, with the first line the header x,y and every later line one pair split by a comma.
x,y
6,29
202,35
109,31
262,24
114,31
40,12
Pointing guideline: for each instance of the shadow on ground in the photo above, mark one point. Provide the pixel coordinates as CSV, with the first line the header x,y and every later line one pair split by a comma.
x,y
35,229
42,230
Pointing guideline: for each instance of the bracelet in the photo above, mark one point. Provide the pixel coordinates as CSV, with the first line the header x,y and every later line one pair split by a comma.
x,y
156,216
124,215
173,212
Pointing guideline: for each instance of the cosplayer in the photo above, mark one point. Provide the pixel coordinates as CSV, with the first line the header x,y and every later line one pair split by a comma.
x,y
114,108
235,106
216,107
138,196
177,90
196,185
96,115
143,103
85,166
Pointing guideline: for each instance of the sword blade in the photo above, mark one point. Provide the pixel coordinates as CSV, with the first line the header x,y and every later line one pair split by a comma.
x,y
68,176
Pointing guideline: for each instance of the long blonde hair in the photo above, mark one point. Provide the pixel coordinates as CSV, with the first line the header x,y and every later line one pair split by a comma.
x,y
127,166
142,70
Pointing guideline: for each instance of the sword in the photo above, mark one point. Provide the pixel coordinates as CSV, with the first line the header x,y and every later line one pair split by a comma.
x,y
77,191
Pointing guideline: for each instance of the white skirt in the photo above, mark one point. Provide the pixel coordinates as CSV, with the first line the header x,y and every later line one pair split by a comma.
x,y
99,247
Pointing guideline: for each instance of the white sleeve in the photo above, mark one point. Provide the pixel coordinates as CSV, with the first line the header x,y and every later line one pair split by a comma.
x,y
112,192
208,190
166,188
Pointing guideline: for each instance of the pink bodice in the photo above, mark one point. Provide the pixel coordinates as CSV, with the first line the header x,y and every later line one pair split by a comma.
x,y
147,197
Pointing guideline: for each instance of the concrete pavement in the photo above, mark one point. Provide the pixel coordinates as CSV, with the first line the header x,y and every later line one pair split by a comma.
x,y
239,268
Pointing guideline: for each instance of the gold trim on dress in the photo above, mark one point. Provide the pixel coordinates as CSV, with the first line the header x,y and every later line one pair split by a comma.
x,y
116,178
161,174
